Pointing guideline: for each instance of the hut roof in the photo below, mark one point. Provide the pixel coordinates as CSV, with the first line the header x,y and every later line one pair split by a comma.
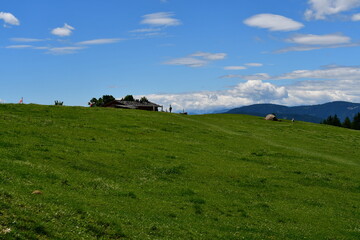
x,y
131,104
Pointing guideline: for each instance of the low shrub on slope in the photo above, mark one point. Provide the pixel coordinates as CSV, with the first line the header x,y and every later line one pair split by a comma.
x,y
128,174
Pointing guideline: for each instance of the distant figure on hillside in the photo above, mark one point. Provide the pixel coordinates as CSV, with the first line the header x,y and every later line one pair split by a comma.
x,y
293,120
170,108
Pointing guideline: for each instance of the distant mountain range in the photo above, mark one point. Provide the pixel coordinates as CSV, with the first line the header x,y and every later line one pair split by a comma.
x,y
311,113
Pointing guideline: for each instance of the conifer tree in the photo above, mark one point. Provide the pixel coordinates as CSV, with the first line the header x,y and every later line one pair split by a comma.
x,y
356,122
346,123
336,121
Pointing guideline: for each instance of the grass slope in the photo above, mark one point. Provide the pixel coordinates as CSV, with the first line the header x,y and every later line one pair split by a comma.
x,y
127,174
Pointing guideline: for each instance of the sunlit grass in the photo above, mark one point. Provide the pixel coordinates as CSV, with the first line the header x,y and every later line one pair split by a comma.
x,y
128,174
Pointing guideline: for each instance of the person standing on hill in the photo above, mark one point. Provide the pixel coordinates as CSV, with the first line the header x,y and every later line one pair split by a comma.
x,y
170,108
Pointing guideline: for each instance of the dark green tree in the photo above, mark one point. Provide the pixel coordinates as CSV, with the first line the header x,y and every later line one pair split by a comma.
x,y
356,122
128,98
328,121
94,102
346,123
332,120
144,100
336,121
107,98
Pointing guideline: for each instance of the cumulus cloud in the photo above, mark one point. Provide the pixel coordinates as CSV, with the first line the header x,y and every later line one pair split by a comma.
x,y
273,22
198,59
330,83
64,31
100,41
252,91
8,18
161,19
315,92
312,39
320,9
235,68
334,83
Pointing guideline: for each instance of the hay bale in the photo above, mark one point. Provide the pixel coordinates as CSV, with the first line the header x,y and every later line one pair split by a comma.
x,y
271,117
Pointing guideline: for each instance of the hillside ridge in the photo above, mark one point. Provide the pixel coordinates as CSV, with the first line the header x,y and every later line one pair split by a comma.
x,y
307,113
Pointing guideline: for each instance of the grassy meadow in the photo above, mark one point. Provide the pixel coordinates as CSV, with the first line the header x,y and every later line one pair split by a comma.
x,y
130,174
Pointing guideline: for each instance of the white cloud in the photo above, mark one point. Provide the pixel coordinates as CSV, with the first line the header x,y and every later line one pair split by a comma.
x,y
210,56
41,48
235,68
308,42
9,18
26,40
356,17
19,46
2,101
320,9
334,83
252,91
163,19
315,92
50,50
27,47
64,50
100,41
146,30
187,61
256,76
273,22
242,67
198,59
64,31
254,64
311,39
332,72
310,48
329,72
55,50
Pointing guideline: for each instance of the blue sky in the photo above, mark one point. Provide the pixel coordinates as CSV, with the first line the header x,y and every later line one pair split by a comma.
x,y
195,55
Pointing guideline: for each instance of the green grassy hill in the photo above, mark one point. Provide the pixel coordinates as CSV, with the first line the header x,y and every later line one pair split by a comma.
x,y
128,174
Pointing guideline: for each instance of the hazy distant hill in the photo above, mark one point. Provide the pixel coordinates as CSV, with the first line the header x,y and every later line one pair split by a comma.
x,y
312,113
